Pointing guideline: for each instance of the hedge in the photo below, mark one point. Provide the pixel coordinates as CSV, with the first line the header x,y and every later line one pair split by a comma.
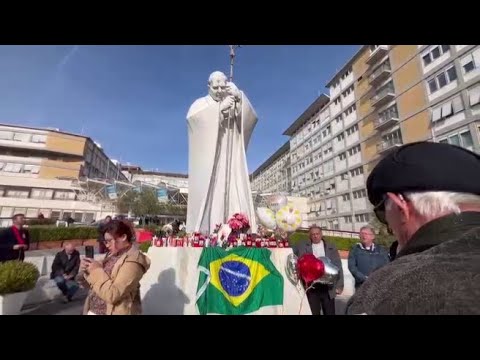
x,y
44,233
44,222
341,243
144,246
17,276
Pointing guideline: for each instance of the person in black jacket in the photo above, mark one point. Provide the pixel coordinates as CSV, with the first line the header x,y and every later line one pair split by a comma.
x,y
102,249
15,240
429,195
64,270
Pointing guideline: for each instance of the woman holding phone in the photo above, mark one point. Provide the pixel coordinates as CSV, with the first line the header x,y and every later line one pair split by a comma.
x,y
115,281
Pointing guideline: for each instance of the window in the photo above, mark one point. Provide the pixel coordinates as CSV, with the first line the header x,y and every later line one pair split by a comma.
x,y
13,168
41,139
359,194
434,54
17,194
348,219
362,218
348,72
31,169
356,172
474,95
340,137
352,130
463,139
344,176
23,137
6,135
470,62
66,195
442,79
348,91
31,213
447,109
342,156
350,110
346,197
338,119
337,101
390,113
395,137
327,131
354,150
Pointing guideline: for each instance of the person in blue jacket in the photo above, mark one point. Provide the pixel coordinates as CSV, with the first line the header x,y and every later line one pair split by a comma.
x,y
366,256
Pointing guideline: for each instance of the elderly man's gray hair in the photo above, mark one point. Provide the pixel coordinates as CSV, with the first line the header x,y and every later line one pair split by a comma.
x,y
368,227
431,204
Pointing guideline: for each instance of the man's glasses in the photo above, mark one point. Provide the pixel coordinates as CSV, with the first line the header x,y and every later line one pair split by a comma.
x,y
379,211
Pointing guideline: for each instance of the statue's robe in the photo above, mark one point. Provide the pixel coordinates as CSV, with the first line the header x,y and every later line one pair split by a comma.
x,y
207,141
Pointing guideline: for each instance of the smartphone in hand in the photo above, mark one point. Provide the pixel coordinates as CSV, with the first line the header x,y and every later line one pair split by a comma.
x,y
89,251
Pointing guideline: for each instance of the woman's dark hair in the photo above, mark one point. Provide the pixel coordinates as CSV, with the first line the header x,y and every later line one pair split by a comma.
x,y
118,228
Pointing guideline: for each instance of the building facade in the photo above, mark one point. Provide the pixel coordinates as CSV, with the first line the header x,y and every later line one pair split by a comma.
x,y
273,176
177,184
383,97
53,173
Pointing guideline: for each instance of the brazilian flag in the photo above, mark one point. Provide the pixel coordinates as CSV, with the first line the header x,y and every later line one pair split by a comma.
x,y
239,281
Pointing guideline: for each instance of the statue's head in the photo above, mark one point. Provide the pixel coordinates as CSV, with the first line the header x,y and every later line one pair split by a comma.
x,y
217,83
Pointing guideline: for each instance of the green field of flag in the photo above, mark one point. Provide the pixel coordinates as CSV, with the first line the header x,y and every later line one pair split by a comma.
x,y
239,281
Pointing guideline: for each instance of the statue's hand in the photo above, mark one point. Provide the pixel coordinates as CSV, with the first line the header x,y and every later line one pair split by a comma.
x,y
232,89
227,103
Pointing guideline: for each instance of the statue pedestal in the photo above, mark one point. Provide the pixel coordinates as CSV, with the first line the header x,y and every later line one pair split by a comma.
x,y
170,285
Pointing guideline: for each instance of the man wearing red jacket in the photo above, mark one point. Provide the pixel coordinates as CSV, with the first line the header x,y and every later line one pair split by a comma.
x,y
15,240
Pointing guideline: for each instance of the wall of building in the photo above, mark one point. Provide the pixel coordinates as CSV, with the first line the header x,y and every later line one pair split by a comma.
x,y
31,165
393,104
65,143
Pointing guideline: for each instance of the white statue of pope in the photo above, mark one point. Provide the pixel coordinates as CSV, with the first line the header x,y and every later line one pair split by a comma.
x,y
219,129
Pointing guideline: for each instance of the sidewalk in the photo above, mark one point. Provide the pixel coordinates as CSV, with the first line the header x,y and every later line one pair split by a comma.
x,y
57,307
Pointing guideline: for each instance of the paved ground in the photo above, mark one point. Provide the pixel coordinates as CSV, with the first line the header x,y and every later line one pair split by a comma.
x,y
75,307
57,307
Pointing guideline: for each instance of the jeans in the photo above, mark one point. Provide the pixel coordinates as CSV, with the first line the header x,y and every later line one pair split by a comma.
x,y
67,287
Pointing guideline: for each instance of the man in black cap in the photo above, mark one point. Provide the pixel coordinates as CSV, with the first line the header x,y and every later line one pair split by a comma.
x,y
429,195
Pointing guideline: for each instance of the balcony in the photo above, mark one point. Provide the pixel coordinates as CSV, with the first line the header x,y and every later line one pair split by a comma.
x,y
379,52
386,145
380,74
383,96
386,121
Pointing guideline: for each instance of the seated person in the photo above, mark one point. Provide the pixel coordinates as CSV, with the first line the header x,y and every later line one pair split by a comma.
x,y
64,270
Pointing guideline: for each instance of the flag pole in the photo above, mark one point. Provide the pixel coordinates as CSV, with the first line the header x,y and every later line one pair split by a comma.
x,y
229,130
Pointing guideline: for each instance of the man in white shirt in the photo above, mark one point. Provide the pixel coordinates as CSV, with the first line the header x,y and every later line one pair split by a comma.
x,y
321,297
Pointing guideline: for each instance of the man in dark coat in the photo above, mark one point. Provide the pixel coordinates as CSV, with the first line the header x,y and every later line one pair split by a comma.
x,y
429,195
64,270
321,297
15,240
102,249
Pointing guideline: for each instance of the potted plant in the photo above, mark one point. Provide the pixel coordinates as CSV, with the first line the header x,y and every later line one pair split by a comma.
x,y
16,280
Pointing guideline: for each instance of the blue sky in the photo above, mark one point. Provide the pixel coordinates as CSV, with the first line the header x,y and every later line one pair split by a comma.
x,y
133,99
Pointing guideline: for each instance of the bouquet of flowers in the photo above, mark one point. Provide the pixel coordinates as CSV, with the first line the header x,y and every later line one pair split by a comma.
x,y
239,223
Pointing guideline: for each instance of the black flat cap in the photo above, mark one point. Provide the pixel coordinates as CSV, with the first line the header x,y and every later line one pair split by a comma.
x,y
425,166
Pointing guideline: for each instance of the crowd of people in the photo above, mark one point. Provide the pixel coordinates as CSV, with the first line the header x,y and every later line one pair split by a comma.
x,y
428,194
